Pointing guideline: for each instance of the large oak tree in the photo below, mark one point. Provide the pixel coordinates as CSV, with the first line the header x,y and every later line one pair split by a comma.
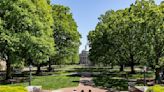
x,y
27,31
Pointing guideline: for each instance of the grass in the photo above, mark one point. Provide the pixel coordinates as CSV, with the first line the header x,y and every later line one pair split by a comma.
x,y
140,75
116,79
56,81
111,82
113,78
52,82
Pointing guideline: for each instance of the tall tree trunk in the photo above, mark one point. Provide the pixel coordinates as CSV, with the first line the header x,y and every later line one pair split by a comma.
x,y
112,66
38,72
132,68
121,67
50,66
8,69
132,64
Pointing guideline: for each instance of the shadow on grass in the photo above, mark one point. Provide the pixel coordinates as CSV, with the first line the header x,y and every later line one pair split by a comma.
x,y
111,82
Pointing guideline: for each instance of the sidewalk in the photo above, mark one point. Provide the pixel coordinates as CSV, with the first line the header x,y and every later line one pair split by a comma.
x,y
86,88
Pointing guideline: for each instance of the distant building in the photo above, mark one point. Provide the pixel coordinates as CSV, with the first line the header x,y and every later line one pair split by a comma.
x,y
2,65
84,58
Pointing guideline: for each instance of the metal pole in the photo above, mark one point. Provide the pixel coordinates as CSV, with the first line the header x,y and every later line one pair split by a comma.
x,y
145,75
144,78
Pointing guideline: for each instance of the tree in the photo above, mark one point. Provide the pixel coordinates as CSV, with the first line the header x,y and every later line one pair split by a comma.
x,y
115,42
49,1
66,36
155,35
27,32
121,36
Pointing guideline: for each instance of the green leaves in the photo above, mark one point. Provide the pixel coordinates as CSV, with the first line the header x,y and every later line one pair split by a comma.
x,y
129,36
33,30
27,29
66,36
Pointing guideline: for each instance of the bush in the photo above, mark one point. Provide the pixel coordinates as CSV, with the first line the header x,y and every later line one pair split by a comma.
x,y
156,88
12,89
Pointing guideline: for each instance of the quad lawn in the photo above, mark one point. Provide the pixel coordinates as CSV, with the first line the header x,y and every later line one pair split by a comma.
x,y
52,82
112,78
55,80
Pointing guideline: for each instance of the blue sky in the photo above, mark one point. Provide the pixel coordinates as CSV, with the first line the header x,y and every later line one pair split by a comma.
x,y
86,12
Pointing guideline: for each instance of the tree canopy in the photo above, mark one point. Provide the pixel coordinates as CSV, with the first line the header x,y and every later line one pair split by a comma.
x,y
129,36
66,36
27,31
35,32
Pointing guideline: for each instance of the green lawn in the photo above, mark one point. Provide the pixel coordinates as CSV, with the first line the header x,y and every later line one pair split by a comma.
x,y
140,75
116,78
53,82
111,82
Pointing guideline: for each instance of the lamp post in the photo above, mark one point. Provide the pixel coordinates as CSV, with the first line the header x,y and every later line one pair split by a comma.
x,y
30,76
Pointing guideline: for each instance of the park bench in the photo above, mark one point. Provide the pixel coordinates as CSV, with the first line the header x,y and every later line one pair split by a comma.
x,y
137,89
134,90
11,81
149,81
124,75
18,76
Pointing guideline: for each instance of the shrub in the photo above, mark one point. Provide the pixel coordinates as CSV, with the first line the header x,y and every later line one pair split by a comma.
x,y
156,88
12,89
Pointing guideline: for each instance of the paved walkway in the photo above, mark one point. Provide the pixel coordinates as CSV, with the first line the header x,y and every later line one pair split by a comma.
x,y
85,84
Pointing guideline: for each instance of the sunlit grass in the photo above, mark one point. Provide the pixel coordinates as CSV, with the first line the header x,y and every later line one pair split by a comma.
x,y
52,82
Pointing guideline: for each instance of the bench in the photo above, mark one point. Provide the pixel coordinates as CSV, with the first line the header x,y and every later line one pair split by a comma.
x,y
11,81
149,81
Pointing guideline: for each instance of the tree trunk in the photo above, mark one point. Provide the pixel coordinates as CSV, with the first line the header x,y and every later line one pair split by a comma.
x,y
132,64
50,66
157,71
121,67
112,66
8,69
38,72
132,68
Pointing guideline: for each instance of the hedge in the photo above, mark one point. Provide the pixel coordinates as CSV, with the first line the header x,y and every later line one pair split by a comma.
x,y
12,89
156,88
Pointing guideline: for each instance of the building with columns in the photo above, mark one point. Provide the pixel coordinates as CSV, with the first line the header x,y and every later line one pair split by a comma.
x,y
84,57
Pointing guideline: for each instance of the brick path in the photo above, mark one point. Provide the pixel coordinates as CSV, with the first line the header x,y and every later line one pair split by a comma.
x,y
86,88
